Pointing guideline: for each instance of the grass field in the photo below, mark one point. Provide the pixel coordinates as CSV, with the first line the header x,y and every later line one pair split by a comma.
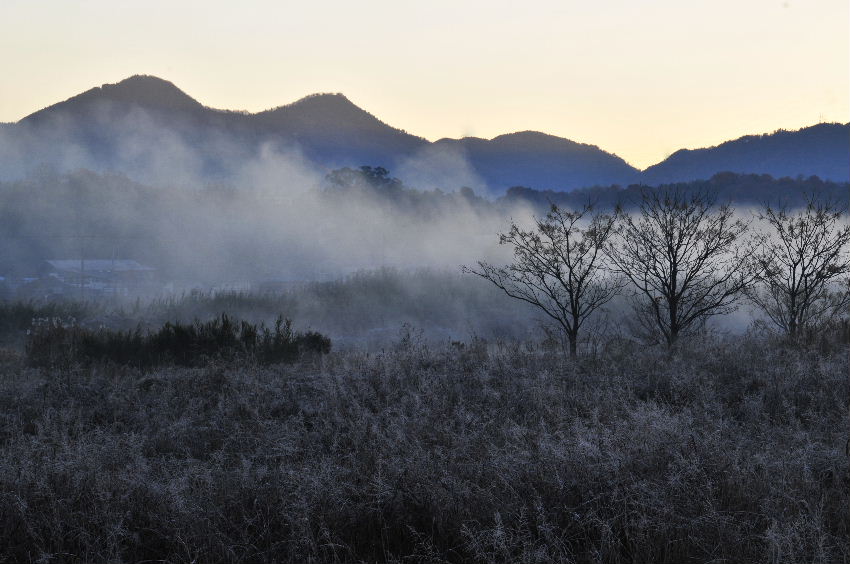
x,y
725,450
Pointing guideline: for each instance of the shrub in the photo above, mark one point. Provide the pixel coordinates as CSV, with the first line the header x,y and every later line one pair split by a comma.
x,y
55,343
17,317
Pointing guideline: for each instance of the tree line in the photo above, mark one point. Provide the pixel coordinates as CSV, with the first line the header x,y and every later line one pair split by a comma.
x,y
682,259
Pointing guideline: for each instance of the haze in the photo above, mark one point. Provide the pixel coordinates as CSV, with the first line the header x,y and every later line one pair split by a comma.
x,y
639,79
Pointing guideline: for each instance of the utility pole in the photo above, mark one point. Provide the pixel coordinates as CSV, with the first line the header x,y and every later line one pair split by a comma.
x,y
82,271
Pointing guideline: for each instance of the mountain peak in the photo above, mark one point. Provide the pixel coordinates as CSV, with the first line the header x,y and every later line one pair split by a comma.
x,y
323,105
337,98
536,140
329,112
141,90
146,90
527,135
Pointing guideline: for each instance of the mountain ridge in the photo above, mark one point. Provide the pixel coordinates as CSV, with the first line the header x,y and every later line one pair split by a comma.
x,y
775,153
332,131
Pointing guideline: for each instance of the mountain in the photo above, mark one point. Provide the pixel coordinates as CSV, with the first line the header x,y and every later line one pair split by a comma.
x,y
329,128
144,91
148,128
821,150
531,158
151,130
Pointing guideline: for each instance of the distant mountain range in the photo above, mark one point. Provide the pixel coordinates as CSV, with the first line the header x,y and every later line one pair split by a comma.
x,y
821,150
145,126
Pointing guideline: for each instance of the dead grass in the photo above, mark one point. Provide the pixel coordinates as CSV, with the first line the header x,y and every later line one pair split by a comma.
x,y
726,451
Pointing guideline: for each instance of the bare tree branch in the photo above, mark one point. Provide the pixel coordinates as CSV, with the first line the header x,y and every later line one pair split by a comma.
x,y
681,253
802,264
559,267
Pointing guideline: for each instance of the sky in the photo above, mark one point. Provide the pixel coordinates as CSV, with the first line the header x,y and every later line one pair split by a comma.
x,y
639,78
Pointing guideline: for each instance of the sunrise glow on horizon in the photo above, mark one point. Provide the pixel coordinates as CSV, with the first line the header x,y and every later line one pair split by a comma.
x,y
639,79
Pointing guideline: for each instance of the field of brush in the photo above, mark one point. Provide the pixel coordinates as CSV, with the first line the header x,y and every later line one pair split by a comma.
x,y
727,449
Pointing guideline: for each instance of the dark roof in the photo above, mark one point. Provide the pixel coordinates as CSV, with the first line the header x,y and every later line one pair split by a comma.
x,y
98,265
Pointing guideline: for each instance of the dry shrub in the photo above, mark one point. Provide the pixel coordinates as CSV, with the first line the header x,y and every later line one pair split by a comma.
x,y
56,343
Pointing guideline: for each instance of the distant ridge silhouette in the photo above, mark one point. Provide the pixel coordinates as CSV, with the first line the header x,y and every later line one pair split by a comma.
x,y
821,150
106,124
537,159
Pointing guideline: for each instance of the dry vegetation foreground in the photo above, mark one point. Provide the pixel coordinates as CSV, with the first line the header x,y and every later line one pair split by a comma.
x,y
726,451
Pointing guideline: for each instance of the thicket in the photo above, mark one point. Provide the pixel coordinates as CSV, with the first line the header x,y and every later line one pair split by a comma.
x,y
17,317
364,309
720,450
742,189
54,343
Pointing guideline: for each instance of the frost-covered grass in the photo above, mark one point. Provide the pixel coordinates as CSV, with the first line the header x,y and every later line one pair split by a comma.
x,y
727,450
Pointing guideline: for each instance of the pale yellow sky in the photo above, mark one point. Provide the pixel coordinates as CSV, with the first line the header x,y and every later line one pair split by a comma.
x,y
640,78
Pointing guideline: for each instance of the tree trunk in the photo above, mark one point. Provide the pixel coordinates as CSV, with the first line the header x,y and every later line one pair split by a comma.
x,y
573,340
847,446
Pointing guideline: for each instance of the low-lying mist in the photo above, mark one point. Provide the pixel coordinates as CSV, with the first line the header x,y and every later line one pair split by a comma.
x,y
354,252
281,226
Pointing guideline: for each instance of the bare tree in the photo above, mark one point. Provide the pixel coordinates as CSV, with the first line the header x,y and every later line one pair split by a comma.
x,y
801,263
682,255
559,267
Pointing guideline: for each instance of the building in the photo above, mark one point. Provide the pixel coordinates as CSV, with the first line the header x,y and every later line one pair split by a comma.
x,y
102,277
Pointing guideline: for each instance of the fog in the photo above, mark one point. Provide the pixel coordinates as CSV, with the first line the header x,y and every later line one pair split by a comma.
x,y
220,213
226,199
220,216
